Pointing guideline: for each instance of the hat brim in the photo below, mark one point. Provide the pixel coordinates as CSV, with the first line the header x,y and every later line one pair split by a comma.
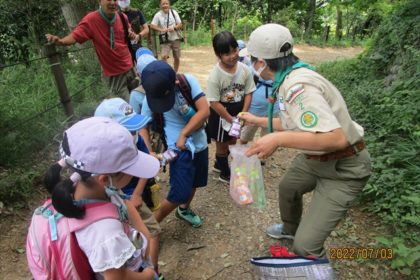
x,y
145,166
136,122
161,105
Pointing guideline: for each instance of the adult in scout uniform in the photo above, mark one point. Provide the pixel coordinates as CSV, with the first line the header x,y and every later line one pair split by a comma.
x,y
314,119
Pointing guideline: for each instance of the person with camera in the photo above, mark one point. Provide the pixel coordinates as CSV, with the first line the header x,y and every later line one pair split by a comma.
x,y
168,23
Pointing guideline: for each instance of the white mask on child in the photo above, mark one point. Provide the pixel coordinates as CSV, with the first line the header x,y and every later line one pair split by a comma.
x,y
259,70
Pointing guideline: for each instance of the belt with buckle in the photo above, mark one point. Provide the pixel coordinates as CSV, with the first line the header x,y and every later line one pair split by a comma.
x,y
347,152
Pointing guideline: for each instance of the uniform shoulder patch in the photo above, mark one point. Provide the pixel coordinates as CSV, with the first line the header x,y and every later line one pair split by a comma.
x,y
293,92
308,119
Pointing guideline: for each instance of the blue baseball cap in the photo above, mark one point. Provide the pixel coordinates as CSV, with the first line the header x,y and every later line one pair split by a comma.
x,y
241,44
143,60
141,51
122,112
158,80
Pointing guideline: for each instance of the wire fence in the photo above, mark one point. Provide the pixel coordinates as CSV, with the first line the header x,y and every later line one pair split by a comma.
x,y
28,120
27,62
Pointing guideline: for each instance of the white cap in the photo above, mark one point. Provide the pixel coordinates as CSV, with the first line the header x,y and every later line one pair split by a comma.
x,y
123,3
267,40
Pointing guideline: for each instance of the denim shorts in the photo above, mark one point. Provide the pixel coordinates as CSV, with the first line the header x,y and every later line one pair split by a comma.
x,y
186,173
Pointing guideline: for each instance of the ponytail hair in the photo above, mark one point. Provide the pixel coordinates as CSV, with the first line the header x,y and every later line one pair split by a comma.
x,y
62,191
62,200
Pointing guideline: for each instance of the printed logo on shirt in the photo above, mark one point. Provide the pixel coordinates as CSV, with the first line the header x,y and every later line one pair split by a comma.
x,y
309,119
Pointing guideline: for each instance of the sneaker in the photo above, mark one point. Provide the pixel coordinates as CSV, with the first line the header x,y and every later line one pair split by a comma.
x,y
224,178
188,215
276,231
161,277
216,167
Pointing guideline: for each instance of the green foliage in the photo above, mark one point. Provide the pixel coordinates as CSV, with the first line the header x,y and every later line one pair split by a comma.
x,y
31,113
383,96
16,185
405,258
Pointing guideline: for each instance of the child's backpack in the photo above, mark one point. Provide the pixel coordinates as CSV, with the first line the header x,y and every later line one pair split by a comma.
x,y
52,250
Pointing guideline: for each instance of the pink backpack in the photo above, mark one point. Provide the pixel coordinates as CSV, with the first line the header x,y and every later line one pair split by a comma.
x,y
52,250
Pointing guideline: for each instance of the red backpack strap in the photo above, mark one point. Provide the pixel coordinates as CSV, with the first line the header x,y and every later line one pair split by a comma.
x,y
185,89
94,212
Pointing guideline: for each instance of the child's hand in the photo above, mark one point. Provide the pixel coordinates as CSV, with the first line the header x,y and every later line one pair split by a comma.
x,y
136,200
180,143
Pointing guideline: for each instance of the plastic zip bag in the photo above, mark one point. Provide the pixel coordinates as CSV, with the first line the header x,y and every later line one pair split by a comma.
x,y
246,179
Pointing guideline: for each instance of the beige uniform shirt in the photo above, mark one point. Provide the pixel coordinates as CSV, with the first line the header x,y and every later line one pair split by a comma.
x,y
309,102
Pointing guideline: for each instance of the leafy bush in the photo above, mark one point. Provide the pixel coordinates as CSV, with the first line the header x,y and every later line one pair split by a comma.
x,y
382,91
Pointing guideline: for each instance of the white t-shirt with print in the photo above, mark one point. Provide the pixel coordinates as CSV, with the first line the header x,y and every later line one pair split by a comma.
x,y
161,19
221,88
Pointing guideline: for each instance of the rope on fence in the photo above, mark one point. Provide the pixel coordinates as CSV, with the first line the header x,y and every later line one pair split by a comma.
x,y
26,121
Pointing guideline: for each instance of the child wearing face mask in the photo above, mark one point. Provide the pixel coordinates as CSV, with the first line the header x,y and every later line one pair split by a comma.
x,y
103,158
138,189
229,88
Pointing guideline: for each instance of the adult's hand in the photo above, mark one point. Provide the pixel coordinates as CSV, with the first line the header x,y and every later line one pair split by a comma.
x,y
249,118
52,39
264,147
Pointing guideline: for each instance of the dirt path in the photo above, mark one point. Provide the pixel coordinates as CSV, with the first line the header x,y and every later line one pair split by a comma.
x,y
230,235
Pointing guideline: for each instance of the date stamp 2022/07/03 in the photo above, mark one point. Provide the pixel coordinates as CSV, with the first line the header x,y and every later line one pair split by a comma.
x,y
365,253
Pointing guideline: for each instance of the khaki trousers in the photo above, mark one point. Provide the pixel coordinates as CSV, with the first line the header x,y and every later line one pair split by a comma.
x,y
335,185
121,85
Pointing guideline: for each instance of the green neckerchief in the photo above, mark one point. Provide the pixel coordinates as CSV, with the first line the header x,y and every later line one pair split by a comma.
x,y
278,81
111,26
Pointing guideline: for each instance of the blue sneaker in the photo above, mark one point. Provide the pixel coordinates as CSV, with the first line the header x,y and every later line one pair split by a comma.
x,y
188,215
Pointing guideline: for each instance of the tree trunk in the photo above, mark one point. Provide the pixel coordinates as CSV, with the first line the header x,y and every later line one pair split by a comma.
x,y
220,15
194,15
326,33
235,15
339,27
73,12
310,16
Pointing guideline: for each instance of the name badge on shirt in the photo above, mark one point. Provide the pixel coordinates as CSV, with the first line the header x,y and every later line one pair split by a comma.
x,y
281,104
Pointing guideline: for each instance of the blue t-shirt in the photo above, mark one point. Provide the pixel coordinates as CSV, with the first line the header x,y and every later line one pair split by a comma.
x,y
174,122
136,100
259,103
141,146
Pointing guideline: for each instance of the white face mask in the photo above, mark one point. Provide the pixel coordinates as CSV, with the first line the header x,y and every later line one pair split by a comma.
x,y
259,70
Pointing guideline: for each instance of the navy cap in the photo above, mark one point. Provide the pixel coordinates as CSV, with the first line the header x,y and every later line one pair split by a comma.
x,y
158,80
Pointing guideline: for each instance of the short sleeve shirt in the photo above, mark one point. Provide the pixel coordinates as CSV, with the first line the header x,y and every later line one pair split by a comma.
x,y
93,27
136,19
229,88
259,103
161,19
107,246
174,122
309,102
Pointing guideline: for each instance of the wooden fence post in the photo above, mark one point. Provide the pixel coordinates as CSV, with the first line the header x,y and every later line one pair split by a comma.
x,y
152,42
184,27
212,27
55,65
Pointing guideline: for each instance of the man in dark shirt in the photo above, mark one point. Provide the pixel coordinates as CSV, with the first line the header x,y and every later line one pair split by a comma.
x,y
137,21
